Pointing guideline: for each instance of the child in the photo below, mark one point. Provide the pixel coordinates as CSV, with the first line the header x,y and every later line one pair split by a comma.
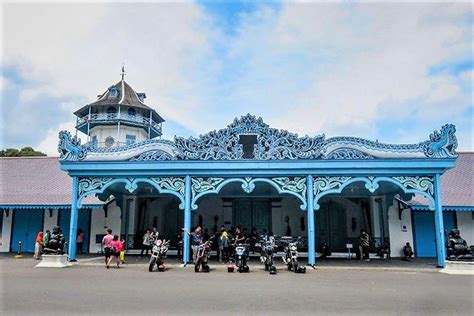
x,y
122,252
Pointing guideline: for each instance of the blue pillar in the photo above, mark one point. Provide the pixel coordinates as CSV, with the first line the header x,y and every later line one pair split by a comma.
x,y
73,226
187,218
439,224
310,220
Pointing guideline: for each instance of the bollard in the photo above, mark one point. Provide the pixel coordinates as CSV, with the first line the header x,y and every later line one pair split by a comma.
x,y
19,255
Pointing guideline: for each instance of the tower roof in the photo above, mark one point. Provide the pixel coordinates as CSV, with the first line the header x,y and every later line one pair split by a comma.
x,y
123,95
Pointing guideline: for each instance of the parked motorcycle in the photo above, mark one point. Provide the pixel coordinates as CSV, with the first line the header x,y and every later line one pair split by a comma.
x,y
241,257
158,254
268,248
202,257
290,256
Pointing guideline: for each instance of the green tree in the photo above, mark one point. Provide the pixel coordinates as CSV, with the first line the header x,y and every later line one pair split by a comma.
x,y
24,152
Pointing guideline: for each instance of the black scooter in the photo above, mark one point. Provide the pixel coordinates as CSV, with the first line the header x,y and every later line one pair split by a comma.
x,y
290,257
241,257
268,249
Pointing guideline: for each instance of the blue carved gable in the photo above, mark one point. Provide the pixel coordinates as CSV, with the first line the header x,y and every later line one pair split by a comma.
x,y
271,144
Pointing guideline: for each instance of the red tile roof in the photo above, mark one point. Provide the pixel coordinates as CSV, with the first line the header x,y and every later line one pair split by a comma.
x,y
456,184
36,181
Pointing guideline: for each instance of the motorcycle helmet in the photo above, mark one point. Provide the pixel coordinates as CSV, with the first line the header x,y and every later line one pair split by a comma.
x,y
230,268
301,269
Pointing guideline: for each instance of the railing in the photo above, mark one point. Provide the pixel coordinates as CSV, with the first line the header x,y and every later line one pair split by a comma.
x,y
103,117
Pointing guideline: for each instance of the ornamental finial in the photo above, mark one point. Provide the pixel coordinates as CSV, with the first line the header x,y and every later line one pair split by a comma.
x,y
123,70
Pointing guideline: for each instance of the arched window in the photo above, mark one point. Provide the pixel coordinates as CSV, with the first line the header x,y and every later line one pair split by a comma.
x,y
131,113
111,111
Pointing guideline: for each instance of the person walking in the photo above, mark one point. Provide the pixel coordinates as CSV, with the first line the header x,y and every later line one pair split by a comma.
x,y
364,242
122,252
116,248
79,241
107,244
146,242
38,246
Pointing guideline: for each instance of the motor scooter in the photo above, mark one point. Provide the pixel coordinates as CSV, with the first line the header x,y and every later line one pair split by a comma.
x,y
203,252
290,256
268,247
158,254
241,256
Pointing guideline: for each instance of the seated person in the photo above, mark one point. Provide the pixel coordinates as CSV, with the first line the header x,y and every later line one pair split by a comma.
x,y
325,251
384,250
407,251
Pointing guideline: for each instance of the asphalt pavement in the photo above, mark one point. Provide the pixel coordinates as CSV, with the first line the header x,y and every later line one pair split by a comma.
x,y
90,289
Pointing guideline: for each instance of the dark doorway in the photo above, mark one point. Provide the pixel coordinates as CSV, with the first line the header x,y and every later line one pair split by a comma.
x,y
249,213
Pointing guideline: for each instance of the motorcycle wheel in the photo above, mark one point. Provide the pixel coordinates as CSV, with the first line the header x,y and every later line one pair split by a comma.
x,y
206,268
152,264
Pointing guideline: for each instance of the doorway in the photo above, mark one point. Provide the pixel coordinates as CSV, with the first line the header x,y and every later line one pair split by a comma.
x,y
250,213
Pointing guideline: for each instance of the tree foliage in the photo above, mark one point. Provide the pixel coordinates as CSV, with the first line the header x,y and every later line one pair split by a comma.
x,y
24,152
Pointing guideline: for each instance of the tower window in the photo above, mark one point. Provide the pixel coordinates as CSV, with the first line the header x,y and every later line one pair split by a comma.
x,y
141,96
94,141
132,113
130,139
109,141
113,92
111,110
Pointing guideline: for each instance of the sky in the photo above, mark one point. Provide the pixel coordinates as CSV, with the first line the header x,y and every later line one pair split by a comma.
x,y
392,71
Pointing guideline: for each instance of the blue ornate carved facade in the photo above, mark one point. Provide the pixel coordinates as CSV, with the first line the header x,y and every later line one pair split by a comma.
x,y
272,144
247,154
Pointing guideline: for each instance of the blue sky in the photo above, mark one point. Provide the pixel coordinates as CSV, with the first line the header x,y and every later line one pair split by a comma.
x,y
388,71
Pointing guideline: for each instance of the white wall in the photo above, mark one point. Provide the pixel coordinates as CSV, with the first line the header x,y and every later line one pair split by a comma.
x,y
466,226
102,132
50,222
6,231
99,222
400,231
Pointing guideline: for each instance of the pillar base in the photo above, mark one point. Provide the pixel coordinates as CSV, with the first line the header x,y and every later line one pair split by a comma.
x,y
54,261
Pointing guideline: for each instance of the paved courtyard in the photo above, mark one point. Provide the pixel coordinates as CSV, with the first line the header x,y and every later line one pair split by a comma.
x,y
90,289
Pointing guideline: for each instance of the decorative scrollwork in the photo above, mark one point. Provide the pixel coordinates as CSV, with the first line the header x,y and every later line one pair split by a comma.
x,y
347,153
154,155
271,144
200,185
322,184
175,184
70,147
442,144
425,184
89,184
296,185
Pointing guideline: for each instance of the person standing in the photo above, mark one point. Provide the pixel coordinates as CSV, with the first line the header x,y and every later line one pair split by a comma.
x,y
146,242
107,244
38,246
116,248
364,242
79,241
196,240
224,243
46,238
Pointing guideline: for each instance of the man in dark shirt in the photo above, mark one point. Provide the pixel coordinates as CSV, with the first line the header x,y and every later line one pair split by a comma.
x,y
196,240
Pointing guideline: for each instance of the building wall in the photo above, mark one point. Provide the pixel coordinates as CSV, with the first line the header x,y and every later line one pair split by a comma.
x,y
102,132
6,231
50,221
465,221
99,223
400,231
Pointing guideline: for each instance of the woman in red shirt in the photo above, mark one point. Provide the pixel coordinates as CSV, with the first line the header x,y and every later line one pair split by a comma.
x,y
117,246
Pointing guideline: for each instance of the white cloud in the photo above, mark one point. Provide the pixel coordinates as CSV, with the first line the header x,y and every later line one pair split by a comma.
x,y
306,67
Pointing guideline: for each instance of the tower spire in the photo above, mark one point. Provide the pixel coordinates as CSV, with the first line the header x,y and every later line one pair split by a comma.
x,y
123,71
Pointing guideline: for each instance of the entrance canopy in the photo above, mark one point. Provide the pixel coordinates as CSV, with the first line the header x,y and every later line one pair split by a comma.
x,y
249,152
